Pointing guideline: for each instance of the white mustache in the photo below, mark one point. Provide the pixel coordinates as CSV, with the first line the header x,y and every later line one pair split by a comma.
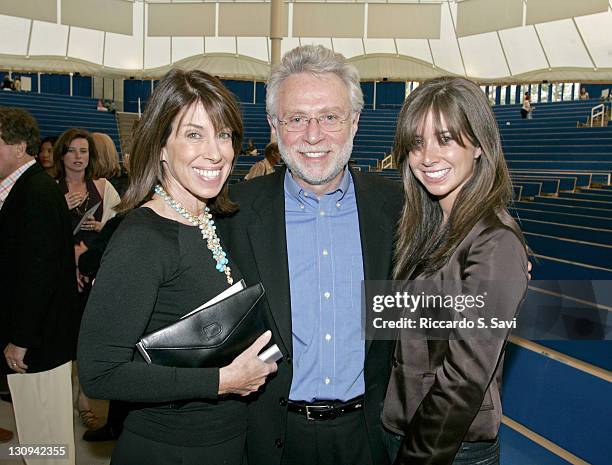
x,y
312,149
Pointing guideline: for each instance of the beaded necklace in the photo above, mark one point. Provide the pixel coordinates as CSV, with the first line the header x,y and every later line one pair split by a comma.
x,y
207,228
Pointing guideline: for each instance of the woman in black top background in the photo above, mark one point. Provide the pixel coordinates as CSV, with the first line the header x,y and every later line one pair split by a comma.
x,y
45,155
158,267
73,154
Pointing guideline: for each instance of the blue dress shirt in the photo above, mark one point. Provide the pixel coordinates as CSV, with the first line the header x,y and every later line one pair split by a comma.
x,y
325,273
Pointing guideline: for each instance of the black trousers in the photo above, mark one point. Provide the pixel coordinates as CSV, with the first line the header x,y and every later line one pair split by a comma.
x,y
341,441
133,449
117,413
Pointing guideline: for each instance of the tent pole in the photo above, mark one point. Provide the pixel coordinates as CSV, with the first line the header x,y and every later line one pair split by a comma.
x,y
276,36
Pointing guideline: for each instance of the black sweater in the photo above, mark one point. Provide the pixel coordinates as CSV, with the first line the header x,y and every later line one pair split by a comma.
x,y
89,261
153,272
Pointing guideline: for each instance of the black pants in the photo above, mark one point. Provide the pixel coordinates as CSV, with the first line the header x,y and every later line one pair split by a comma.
x,y
524,113
117,413
133,449
342,441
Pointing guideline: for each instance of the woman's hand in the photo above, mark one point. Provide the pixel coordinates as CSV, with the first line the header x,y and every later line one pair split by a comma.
x,y
82,281
247,372
90,224
74,199
79,249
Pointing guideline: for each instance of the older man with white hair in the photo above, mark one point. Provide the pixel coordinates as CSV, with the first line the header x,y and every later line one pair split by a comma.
x,y
311,233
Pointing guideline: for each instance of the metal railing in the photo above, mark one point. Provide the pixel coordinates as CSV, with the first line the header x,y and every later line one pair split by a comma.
x,y
387,162
599,110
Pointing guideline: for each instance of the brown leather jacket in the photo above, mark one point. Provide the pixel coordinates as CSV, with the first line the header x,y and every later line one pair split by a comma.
x,y
443,392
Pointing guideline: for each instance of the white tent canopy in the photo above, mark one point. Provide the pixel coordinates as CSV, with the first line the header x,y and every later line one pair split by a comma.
x,y
498,41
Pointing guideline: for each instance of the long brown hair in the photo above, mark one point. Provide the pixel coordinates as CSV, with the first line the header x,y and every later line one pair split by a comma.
x,y
177,91
424,243
63,144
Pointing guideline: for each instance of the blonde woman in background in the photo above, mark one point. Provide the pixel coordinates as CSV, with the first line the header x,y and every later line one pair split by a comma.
x,y
107,166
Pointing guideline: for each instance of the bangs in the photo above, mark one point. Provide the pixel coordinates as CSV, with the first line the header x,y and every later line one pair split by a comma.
x,y
453,123
447,117
219,115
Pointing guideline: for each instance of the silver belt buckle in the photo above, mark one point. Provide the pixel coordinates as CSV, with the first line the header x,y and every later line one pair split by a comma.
x,y
314,408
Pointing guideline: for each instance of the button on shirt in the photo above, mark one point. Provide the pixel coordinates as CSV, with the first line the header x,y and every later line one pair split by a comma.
x,y
7,183
325,272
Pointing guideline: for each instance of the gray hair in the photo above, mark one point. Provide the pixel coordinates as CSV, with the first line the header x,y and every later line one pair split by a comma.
x,y
313,59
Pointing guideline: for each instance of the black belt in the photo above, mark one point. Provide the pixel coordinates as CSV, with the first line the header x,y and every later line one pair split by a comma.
x,y
325,410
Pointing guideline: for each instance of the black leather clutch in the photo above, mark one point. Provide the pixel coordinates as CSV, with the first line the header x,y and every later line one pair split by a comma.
x,y
210,337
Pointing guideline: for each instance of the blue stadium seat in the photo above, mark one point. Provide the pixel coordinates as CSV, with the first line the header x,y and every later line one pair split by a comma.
x,y
56,113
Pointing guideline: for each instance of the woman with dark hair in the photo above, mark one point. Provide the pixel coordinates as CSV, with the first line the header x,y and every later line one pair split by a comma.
x,y
164,260
74,154
45,155
443,401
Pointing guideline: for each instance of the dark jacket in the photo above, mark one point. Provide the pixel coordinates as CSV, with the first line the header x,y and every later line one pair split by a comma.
x,y
443,392
257,243
37,273
89,261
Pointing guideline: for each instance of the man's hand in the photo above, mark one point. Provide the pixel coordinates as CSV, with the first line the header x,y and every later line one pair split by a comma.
x,y
14,356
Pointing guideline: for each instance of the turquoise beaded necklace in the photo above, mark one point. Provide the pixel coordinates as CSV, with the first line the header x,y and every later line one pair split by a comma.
x,y
207,228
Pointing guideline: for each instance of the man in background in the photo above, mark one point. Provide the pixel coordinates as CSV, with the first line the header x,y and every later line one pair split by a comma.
x,y
265,166
38,317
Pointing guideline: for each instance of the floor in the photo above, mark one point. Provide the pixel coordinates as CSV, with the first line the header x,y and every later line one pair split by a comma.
x,y
87,453
515,449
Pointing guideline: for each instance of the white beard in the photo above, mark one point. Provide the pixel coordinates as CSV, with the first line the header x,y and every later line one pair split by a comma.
x,y
330,171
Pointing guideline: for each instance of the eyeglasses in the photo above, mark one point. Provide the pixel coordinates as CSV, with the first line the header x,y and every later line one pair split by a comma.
x,y
328,122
